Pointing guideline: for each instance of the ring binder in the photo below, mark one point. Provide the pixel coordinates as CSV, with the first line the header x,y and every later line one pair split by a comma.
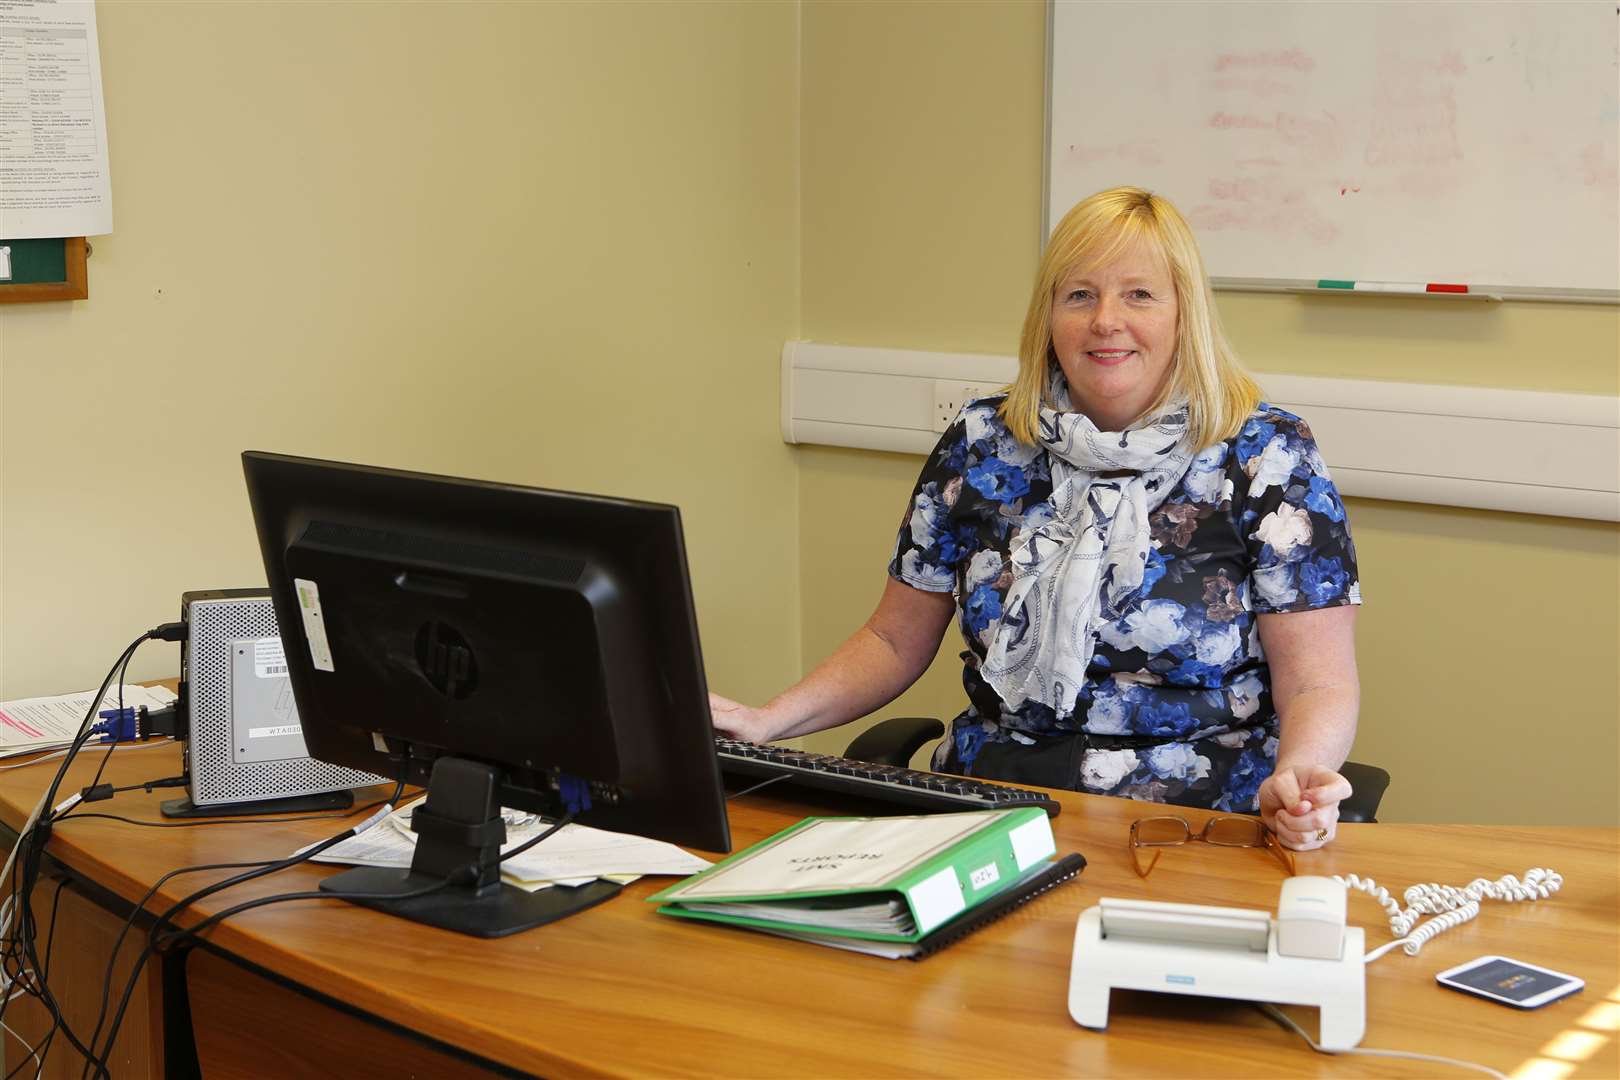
x,y
1040,881
894,887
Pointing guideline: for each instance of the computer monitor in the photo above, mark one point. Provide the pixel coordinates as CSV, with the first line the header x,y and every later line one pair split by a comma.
x,y
502,645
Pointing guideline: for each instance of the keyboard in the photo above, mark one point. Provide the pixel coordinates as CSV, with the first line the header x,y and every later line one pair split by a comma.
x,y
919,792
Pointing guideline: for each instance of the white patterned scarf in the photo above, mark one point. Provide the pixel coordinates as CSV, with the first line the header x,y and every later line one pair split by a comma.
x,y
1071,573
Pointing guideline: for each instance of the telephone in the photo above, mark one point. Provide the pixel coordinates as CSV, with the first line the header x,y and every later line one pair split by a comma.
x,y
1306,955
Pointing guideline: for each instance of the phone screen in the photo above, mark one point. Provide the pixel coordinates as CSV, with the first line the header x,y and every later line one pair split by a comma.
x,y
1510,981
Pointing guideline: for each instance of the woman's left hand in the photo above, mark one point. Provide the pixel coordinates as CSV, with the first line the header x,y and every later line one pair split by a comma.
x,y
1300,804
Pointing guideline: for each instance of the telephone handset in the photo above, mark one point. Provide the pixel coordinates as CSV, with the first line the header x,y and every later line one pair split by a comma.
x,y
1310,918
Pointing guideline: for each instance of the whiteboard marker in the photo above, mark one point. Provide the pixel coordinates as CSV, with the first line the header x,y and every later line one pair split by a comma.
x,y
1407,288
1390,287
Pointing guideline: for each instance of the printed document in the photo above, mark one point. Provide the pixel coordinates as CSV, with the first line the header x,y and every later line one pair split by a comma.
x,y
44,722
573,855
54,179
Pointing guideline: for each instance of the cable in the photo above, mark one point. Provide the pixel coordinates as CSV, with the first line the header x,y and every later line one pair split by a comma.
x,y
1283,1018
18,926
1450,905
196,931
763,783
220,916
50,938
31,844
123,675
13,1033
529,843
43,978
155,932
129,924
75,814
54,754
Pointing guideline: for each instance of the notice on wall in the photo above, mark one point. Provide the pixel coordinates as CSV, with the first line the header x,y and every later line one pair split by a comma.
x,y
53,125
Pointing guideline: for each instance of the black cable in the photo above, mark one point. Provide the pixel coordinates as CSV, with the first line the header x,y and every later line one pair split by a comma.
x,y
95,702
75,814
39,1052
178,935
261,868
32,850
50,938
141,904
23,959
103,766
100,792
156,930
527,844
20,947
220,916
123,676
129,924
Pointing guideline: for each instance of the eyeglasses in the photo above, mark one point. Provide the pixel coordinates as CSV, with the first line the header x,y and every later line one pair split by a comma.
x,y
1238,832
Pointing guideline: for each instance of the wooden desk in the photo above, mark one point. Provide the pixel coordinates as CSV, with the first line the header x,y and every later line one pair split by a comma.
x,y
622,991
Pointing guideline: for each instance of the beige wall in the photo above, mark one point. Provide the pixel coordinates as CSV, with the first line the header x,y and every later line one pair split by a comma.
x,y
1489,641
551,243
541,243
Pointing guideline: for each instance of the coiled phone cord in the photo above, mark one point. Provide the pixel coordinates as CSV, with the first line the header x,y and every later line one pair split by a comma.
x,y
1451,906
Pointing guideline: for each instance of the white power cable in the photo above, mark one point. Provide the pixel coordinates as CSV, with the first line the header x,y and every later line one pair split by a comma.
x,y
160,740
13,1033
1283,1018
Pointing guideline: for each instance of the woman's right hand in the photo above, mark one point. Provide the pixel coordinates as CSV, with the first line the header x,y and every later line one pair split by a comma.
x,y
739,721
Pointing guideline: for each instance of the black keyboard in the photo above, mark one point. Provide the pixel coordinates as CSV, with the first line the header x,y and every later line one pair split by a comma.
x,y
907,788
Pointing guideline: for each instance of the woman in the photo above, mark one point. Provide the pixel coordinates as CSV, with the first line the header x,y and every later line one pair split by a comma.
x,y
1153,571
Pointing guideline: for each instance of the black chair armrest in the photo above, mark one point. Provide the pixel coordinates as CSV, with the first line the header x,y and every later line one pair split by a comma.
x,y
1369,782
895,740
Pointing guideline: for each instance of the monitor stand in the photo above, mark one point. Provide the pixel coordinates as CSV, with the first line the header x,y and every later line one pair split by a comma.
x,y
459,836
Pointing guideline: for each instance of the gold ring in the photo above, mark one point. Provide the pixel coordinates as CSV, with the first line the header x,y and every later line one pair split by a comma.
x,y
1321,834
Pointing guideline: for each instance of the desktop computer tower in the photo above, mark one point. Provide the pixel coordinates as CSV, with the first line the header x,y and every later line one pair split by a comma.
x,y
243,740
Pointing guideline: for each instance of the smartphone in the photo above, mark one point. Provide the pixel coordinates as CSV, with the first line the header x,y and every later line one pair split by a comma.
x,y
1509,981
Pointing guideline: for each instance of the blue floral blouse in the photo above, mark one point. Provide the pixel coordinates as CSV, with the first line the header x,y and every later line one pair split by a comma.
x,y
1176,707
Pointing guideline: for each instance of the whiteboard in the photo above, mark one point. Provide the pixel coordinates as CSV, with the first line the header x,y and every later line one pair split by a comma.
x,y
1468,143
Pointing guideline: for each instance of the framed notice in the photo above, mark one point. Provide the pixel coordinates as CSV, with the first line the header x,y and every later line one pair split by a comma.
x,y
43,269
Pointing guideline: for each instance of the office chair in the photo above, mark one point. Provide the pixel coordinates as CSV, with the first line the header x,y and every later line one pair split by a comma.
x,y
895,740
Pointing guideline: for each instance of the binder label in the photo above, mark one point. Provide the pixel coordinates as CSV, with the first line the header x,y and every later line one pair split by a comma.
x,y
936,898
984,877
1031,842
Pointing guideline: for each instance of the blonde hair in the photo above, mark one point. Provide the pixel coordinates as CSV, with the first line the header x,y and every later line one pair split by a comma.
x,y
1205,371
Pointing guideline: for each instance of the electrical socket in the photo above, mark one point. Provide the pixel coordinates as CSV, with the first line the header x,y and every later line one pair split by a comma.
x,y
951,394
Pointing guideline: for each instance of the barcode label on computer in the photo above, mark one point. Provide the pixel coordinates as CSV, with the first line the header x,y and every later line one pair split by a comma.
x,y
269,660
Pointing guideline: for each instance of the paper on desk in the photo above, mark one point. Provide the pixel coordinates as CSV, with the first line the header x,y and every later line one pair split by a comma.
x,y
579,851
581,854
43,722
391,848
